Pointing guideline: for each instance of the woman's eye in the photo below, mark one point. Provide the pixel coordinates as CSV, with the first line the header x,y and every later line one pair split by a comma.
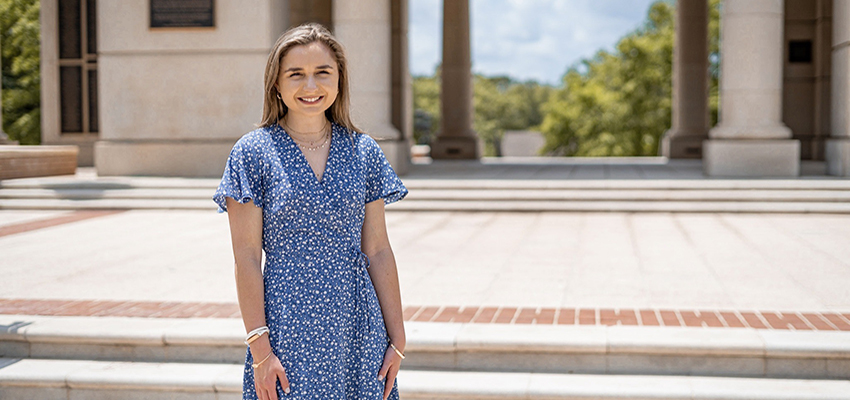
x,y
324,72
295,74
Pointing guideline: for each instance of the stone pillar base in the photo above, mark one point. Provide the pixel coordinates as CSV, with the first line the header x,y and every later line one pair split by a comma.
x,y
85,157
838,157
812,147
162,158
751,158
398,154
675,145
456,148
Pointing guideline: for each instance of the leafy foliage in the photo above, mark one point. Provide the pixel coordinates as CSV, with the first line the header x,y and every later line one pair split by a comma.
x,y
426,107
20,33
619,104
714,61
503,104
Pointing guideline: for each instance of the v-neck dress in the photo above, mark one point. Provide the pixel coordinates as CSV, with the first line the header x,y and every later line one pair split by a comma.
x,y
324,318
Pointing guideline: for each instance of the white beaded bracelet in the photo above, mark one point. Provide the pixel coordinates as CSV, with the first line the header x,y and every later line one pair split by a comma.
x,y
255,334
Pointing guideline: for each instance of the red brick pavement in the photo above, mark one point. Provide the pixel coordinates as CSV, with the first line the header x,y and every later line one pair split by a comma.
x,y
109,308
53,221
828,321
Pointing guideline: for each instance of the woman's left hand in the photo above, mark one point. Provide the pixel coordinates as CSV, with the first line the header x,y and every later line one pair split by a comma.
x,y
389,370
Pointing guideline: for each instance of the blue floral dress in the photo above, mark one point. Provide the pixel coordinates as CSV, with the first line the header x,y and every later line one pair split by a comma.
x,y
325,320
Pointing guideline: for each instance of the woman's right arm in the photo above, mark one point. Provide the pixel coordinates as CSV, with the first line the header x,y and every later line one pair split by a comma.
x,y
246,233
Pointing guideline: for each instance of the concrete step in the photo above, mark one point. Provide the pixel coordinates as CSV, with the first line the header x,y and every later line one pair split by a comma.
x,y
623,206
85,379
416,203
71,379
98,194
477,195
419,183
734,352
717,195
107,204
831,183
751,196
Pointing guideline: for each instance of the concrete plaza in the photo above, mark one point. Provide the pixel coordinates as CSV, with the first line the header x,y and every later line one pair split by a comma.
x,y
139,302
737,261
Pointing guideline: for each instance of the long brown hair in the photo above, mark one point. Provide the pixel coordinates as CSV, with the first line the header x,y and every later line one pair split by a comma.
x,y
273,107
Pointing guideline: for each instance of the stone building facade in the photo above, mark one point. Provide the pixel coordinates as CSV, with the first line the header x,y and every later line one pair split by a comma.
x,y
143,98
171,101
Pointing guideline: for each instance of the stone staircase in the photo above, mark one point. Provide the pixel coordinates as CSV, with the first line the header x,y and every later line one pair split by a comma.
x,y
655,195
158,358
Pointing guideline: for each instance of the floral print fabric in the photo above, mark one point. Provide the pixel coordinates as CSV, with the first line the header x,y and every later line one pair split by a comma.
x,y
325,320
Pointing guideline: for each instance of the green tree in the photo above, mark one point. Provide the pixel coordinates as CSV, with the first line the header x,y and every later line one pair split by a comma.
x,y
20,32
619,103
426,107
714,60
500,104
503,104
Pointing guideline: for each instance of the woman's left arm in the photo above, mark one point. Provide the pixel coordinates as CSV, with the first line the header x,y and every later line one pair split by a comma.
x,y
376,244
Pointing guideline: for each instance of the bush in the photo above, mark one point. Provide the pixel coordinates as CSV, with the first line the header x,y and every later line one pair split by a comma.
x,y
21,79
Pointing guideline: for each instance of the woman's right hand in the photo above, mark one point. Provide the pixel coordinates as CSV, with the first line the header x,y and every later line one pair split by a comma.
x,y
266,377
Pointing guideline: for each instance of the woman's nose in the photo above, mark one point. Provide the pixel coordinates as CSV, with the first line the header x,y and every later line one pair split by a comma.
x,y
311,83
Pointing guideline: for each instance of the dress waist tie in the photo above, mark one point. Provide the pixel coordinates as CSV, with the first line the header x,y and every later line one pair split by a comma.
x,y
361,266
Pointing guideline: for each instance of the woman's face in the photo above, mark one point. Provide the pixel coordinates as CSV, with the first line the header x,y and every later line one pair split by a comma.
x,y
309,79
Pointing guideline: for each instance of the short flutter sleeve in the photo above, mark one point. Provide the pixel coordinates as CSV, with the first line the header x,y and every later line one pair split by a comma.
x,y
381,180
242,178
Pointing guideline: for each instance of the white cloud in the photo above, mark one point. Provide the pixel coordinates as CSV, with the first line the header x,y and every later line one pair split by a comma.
x,y
425,35
526,39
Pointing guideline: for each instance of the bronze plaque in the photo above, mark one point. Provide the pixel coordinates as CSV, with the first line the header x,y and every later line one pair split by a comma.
x,y
182,13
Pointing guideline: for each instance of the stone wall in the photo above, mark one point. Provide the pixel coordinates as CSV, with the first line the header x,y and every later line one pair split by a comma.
x,y
174,100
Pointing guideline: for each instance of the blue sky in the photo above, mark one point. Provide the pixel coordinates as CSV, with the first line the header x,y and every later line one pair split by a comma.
x,y
526,39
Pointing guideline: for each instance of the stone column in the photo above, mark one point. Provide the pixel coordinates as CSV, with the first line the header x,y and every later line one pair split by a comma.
x,y
751,139
402,101
690,82
838,146
456,138
365,29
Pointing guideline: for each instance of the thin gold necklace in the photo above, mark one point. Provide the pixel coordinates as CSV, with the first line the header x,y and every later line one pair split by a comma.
x,y
312,146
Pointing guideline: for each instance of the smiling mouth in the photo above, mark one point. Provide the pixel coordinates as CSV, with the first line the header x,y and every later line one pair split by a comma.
x,y
311,100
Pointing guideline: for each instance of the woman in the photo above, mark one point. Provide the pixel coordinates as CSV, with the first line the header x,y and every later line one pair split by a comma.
x,y
323,316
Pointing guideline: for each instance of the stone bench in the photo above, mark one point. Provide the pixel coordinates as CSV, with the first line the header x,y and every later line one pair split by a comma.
x,y
30,161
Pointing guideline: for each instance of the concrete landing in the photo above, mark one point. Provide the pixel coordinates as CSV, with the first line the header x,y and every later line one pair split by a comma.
x,y
714,261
